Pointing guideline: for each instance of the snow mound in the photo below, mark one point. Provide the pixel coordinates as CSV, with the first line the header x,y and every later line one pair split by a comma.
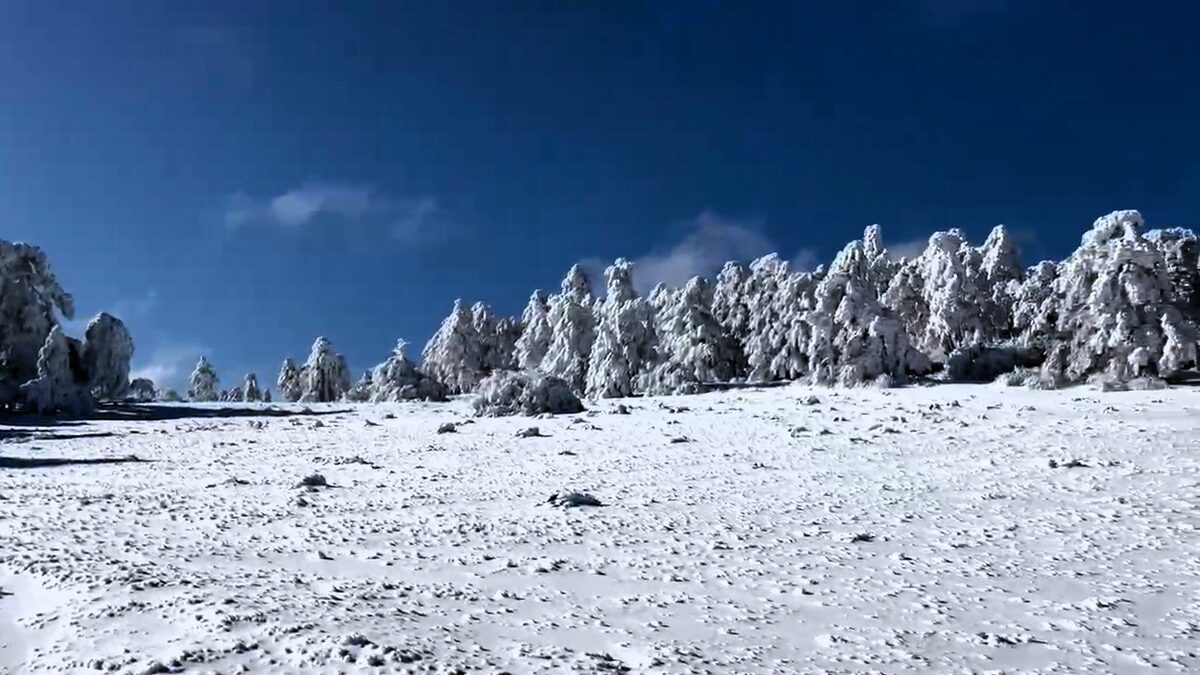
x,y
525,393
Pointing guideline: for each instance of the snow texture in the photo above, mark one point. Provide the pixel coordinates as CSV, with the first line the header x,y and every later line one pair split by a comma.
x,y
945,529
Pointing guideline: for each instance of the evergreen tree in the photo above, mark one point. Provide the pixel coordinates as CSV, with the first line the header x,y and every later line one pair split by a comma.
x,y
250,391
624,346
202,385
455,355
573,330
398,379
536,333
693,348
289,381
325,377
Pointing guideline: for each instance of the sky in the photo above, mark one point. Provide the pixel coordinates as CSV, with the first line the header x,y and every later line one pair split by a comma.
x,y
234,179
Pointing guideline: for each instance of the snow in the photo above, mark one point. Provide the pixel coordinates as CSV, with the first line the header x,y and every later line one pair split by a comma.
x,y
951,528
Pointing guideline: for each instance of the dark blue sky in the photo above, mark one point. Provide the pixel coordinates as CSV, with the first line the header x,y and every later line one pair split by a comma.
x,y
237,178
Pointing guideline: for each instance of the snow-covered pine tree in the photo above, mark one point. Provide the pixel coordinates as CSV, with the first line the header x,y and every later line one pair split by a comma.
x,y
289,382
59,385
1001,275
573,330
1116,312
1182,255
790,336
767,274
731,309
855,339
107,351
325,377
536,333
363,390
624,346
1035,306
398,379
693,348
508,331
202,385
454,355
250,390
883,268
950,271
483,319
266,397
30,302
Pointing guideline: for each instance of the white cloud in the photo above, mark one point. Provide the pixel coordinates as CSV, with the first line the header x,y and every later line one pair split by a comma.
x,y
411,218
168,365
712,242
906,249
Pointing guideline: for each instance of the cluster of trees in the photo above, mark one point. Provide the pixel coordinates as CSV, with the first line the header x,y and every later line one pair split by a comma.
x,y
42,369
1124,305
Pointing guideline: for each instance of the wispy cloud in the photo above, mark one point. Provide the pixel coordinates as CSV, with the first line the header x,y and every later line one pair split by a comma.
x,y
712,240
169,364
906,249
408,218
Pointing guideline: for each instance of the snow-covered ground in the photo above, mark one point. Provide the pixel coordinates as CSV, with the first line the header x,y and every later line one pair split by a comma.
x,y
941,529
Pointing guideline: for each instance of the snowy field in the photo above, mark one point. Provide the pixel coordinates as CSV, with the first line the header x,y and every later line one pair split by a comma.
x,y
942,529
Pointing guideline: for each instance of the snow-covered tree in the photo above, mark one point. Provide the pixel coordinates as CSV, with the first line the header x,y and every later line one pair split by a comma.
x,y
882,266
692,346
1035,306
107,351
399,379
508,331
1116,312
731,307
325,376
483,320
854,338
767,274
363,390
202,385
950,273
1181,253
1001,274
573,330
61,385
231,395
266,397
250,391
142,389
31,301
787,340
290,384
536,333
454,355
625,340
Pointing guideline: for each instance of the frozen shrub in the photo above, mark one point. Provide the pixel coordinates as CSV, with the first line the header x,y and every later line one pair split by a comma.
x,y
142,389
525,393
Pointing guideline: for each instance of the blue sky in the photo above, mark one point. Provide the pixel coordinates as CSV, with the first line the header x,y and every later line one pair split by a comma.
x,y
237,178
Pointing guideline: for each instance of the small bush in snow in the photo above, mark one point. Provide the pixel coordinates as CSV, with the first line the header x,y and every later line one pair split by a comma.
x,y
525,393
